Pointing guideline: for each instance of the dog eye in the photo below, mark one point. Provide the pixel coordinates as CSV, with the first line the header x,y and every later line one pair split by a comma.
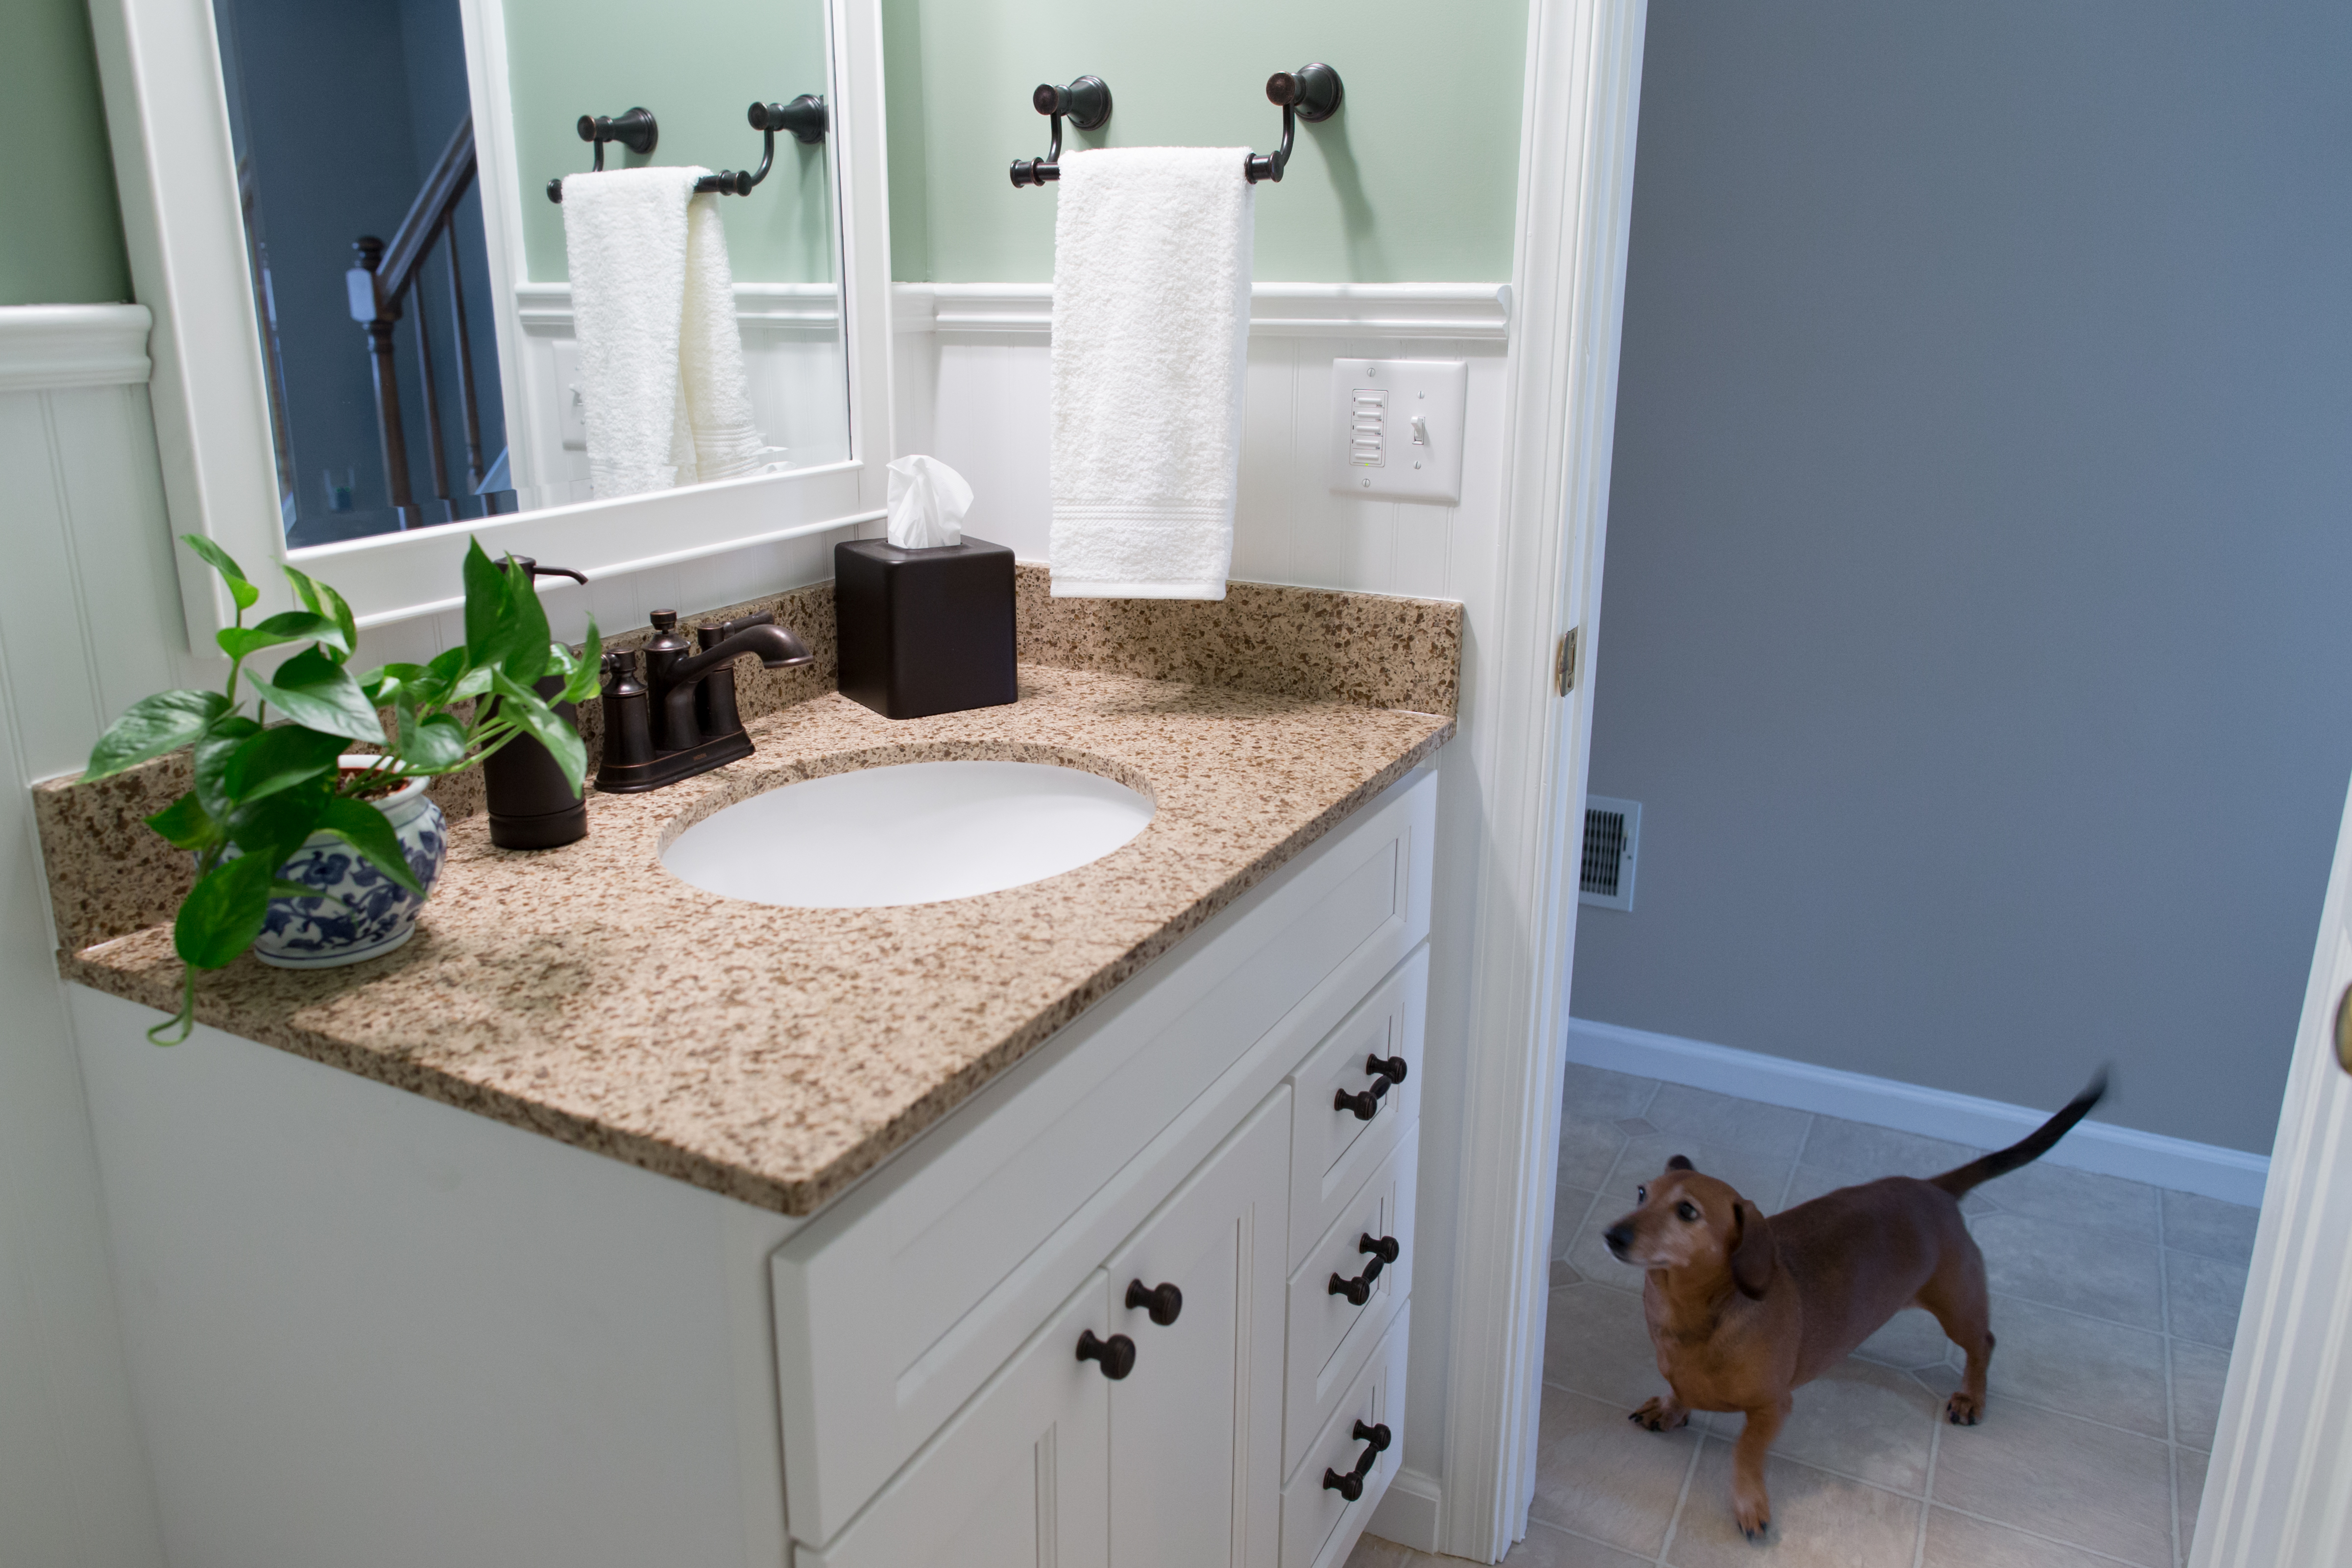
x,y
1641,1194
1685,1212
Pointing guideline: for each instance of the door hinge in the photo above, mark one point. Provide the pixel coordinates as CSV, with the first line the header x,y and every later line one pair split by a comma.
x,y
1564,671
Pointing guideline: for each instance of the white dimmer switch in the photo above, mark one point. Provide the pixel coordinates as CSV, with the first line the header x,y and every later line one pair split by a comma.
x,y
1397,428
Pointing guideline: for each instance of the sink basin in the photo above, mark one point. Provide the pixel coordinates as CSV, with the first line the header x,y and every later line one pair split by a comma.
x,y
919,832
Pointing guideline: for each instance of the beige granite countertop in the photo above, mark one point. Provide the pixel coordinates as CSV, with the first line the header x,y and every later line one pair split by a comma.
x,y
776,1054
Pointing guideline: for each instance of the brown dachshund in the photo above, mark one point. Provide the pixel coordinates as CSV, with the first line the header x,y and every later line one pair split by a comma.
x,y
1743,1309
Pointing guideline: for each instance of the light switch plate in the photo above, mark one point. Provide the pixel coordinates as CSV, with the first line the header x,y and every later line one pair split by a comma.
x,y
572,419
1397,428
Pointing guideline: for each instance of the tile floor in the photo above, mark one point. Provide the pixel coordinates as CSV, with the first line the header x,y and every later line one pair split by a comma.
x,y
2114,1303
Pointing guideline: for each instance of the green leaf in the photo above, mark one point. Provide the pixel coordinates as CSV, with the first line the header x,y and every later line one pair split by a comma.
x,y
581,682
287,626
527,660
369,830
434,743
212,555
522,706
321,600
281,888
185,824
314,690
223,913
153,726
383,685
278,758
212,751
486,603
271,828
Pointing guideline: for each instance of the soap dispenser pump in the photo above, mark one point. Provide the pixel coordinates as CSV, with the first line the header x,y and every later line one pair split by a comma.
x,y
531,805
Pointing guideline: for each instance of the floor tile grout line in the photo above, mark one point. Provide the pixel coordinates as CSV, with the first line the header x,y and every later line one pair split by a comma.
x,y
2038,1535
1927,1485
1682,1500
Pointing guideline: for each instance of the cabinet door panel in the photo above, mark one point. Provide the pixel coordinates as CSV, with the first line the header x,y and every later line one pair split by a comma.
x,y
1195,1429
1017,1480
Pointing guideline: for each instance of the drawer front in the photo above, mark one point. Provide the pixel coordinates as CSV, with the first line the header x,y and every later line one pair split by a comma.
x,y
1334,1147
1328,1335
895,1304
1319,1525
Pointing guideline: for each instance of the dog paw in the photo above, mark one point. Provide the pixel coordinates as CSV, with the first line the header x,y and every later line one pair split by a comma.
x,y
1753,1518
1963,1409
1658,1415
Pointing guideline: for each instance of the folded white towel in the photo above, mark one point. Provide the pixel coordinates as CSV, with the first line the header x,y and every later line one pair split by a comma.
x,y
1151,293
662,387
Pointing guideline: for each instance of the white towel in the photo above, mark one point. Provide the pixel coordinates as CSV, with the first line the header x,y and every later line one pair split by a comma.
x,y
662,387
1152,294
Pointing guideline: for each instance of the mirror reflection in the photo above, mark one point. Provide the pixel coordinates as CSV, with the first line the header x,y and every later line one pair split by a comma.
x,y
428,362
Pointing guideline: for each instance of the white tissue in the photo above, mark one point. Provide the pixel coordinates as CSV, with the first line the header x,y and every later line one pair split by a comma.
x,y
927,501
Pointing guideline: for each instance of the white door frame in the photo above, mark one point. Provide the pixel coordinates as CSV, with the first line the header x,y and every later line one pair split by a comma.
x,y
1529,745
2275,1495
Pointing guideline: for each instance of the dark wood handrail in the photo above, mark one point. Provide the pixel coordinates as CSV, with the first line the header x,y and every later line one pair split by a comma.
x,y
442,191
383,285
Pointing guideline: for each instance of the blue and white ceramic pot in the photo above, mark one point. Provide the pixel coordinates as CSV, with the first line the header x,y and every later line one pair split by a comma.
x,y
360,912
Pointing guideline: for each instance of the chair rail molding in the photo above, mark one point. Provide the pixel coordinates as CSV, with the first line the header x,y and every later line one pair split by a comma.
x,y
1530,745
1452,310
44,348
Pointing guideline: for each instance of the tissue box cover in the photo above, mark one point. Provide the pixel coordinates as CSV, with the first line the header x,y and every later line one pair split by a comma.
x,y
924,630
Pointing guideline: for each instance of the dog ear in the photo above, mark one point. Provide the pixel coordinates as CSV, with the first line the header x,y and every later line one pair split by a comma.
x,y
1754,1258
1681,1163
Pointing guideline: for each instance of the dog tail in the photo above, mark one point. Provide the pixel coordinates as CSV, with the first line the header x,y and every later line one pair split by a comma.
x,y
2034,1145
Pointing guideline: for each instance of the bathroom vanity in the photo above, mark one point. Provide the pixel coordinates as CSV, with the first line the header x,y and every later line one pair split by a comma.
x,y
616,1221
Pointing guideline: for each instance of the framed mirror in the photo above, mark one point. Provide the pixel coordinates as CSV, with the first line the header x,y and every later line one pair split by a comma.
x,y
371,307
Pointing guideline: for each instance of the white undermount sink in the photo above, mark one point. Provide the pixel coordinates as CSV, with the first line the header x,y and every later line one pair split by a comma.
x,y
919,832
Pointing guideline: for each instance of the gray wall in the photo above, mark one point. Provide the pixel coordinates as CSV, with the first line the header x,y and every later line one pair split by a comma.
x,y
1980,595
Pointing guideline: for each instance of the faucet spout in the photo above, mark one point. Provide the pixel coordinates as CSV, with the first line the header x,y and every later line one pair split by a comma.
x,y
776,646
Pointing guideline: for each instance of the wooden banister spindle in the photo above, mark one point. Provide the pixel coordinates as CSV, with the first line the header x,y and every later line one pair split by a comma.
x,y
432,399
382,316
465,405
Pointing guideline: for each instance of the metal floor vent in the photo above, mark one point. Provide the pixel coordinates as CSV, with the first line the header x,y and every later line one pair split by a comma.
x,y
1612,830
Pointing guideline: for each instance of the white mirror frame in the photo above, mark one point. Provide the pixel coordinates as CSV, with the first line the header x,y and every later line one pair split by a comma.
x,y
159,61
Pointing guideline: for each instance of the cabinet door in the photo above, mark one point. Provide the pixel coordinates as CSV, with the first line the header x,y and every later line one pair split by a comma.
x,y
1017,1480
1196,1428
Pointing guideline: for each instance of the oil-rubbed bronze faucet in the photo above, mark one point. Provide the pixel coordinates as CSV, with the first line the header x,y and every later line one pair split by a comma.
x,y
680,719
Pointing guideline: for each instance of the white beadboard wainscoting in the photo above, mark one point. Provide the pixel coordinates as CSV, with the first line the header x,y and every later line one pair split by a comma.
x,y
89,621
975,385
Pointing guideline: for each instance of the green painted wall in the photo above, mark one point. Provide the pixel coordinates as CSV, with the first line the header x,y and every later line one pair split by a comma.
x,y
570,57
1415,181
60,237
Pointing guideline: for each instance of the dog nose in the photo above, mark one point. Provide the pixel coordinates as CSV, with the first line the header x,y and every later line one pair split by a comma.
x,y
1619,1237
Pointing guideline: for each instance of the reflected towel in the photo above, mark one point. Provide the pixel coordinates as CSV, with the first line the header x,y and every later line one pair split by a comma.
x,y
662,387
1151,293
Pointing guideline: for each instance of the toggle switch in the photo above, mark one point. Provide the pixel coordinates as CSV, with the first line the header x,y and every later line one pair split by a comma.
x,y
1426,401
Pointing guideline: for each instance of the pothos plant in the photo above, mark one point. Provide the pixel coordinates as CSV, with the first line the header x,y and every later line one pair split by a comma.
x,y
263,787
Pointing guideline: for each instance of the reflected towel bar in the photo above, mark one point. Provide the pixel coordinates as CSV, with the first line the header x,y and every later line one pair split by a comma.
x,y
804,117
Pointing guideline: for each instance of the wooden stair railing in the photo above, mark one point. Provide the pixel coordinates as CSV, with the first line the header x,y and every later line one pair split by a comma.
x,y
386,284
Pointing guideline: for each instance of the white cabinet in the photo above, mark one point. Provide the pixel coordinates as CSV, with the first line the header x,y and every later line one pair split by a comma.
x,y
1019,1479
1196,1427
1159,1443
1240,1122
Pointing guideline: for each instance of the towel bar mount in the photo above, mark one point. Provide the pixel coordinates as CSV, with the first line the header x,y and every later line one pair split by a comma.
x,y
804,117
1312,93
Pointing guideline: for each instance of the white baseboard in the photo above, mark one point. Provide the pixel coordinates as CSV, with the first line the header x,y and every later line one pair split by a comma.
x,y
2230,1175
1408,1511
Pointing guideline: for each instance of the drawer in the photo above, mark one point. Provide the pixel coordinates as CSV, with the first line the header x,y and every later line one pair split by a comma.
x,y
895,1304
1328,1336
1334,1148
1319,1525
